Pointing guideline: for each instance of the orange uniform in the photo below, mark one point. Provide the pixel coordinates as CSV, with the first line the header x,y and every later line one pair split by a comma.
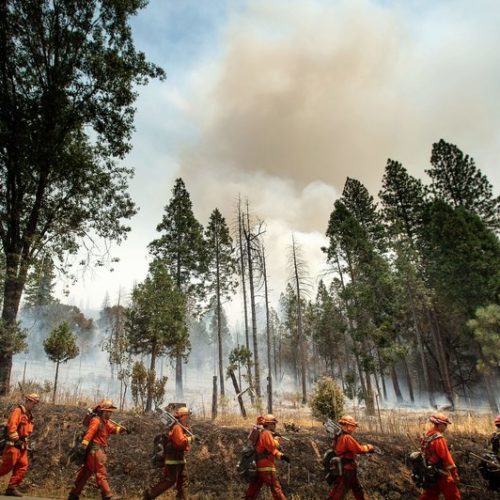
x,y
96,441
175,471
347,448
15,454
267,452
437,453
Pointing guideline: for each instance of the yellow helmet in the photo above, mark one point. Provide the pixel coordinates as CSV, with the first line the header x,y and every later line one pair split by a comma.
x,y
33,397
105,405
348,420
183,410
270,419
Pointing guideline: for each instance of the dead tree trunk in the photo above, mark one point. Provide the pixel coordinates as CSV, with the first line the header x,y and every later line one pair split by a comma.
x,y
268,336
214,397
237,390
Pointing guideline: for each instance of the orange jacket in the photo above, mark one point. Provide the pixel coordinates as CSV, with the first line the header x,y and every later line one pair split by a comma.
x,y
437,452
19,425
99,430
178,444
347,448
267,450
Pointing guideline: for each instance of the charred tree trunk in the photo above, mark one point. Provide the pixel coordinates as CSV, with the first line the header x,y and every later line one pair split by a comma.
x,y
214,397
55,383
237,390
395,384
219,326
149,399
268,338
409,381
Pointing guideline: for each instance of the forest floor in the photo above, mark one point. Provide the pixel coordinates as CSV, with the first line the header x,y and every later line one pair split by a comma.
x,y
212,460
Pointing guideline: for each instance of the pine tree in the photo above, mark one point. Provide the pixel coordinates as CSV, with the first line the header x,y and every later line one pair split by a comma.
x,y
221,270
40,284
156,322
60,346
457,181
181,248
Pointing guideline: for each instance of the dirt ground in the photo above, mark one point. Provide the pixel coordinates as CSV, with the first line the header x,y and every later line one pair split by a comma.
x,y
212,461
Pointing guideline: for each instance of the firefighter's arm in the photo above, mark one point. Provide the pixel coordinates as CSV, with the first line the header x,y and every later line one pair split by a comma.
x,y
270,444
442,451
353,446
91,431
13,424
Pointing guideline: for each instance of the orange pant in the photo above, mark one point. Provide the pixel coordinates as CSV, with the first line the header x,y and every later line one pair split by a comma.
x,y
445,486
94,464
15,460
174,474
269,478
348,481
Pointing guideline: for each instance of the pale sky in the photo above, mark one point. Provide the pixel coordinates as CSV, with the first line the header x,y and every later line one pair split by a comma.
x,y
280,100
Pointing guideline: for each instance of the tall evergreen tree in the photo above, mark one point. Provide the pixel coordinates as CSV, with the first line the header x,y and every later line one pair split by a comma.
x,y
156,321
69,73
181,248
457,180
40,284
220,277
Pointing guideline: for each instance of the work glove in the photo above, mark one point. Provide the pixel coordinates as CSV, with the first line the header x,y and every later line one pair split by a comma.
x,y
371,448
285,458
81,450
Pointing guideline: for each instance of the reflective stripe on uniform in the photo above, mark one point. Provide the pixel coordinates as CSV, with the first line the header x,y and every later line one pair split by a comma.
x,y
266,469
174,462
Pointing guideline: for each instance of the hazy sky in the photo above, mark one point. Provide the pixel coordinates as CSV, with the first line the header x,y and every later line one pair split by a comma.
x,y
279,101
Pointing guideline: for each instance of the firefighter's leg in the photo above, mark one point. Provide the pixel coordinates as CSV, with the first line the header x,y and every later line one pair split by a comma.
x,y
431,493
182,482
20,469
101,474
355,486
9,458
449,488
254,487
170,478
340,488
82,477
271,479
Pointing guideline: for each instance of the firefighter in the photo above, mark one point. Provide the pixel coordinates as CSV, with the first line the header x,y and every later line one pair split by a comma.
x,y
347,448
15,454
267,449
175,471
93,446
437,454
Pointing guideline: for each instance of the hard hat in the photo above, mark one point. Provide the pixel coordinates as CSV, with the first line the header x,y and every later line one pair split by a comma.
x,y
497,420
270,419
183,410
440,418
105,405
33,397
348,420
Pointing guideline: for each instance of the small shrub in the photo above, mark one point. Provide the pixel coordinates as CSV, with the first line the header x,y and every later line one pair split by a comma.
x,y
327,400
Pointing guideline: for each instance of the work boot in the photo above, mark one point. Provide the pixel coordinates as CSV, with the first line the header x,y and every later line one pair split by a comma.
x,y
146,496
72,496
12,491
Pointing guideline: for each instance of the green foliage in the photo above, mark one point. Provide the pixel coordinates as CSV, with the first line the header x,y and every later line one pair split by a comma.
x,y
143,383
155,321
60,346
40,284
486,328
327,400
181,246
457,181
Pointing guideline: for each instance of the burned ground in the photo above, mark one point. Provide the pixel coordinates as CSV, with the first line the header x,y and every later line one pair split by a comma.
x,y
212,461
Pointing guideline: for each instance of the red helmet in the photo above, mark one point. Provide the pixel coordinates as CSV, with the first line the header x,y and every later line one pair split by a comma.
x,y
440,418
270,419
348,420
497,420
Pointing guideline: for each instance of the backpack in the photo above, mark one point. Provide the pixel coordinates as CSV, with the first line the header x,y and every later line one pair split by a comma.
x,y
75,454
247,465
489,472
423,474
160,442
3,436
332,464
